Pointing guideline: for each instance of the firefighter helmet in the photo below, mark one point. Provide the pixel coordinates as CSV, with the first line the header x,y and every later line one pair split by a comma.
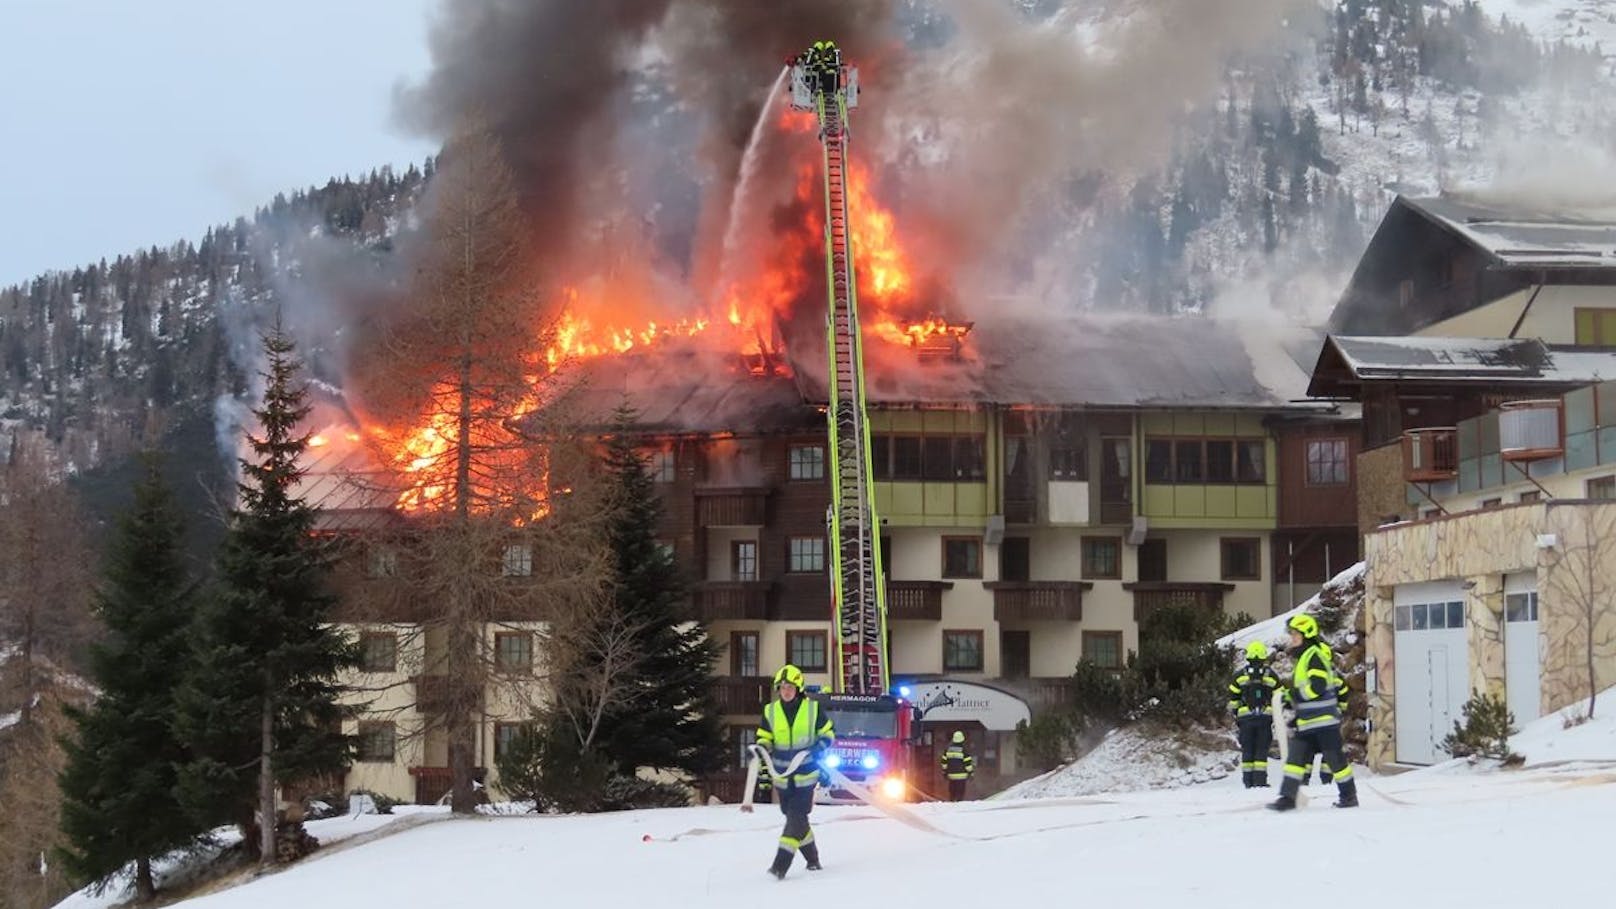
x,y
1256,650
1304,625
788,675
958,737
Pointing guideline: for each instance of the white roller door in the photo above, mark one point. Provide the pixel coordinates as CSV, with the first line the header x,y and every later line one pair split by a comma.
x,y
1433,663
1522,648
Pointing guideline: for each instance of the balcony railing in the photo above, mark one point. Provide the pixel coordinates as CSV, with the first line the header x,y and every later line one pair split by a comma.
x,y
1530,430
718,601
1149,596
742,694
1038,601
916,601
731,507
1430,455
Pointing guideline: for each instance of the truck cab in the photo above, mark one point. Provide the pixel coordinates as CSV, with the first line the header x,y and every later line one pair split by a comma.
x,y
875,746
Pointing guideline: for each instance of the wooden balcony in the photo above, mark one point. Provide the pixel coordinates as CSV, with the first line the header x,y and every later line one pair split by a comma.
x,y
742,694
1149,596
916,601
722,601
731,507
1038,601
1430,455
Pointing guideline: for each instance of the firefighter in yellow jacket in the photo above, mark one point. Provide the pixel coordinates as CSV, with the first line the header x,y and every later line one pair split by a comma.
x,y
794,725
1315,694
1251,698
958,765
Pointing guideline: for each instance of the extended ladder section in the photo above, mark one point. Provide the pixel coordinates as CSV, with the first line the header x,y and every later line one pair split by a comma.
x,y
856,573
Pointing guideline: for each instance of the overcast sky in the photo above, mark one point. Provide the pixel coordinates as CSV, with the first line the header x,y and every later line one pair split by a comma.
x,y
128,123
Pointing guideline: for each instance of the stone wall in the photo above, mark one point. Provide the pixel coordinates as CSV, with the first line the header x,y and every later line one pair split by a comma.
x,y
1381,490
1576,583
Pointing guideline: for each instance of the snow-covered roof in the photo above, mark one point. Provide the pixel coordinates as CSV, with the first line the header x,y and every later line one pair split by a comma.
x,y
1540,239
1479,360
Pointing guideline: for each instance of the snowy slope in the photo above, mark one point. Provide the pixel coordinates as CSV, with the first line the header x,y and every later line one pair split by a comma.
x,y
1272,631
1134,758
1581,22
1415,842
1548,740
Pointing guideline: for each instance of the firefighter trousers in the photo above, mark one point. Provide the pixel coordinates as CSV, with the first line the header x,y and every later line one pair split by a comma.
x,y
795,803
1306,743
956,790
1256,734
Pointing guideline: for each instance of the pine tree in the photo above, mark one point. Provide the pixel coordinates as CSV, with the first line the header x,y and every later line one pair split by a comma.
x,y
261,706
673,723
118,788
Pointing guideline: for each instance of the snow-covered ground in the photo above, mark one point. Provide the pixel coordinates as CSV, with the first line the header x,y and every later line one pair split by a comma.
x,y
1136,758
1580,22
1418,840
1272,631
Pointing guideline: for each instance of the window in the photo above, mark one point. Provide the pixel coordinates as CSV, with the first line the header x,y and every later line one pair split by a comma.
x,y
1196,461
943,458
1102,557
382,562
962,651
1596,327
513,651
806,650
378,651
1015,559
1187,462
1492,503
1602,488
1531,495
376,742
1401,621
743,564
1242,559
806,462
1103,648
1068,450
1419,613
962,557
506,735
806,554
1153,560
1520,607
518,561
743,653
1326,462
660,464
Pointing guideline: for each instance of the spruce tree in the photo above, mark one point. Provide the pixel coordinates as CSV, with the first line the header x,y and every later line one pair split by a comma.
x,y
118,788
261,706
673,723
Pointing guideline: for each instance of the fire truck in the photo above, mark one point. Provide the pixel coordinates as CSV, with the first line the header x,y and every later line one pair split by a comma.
x,y
875,728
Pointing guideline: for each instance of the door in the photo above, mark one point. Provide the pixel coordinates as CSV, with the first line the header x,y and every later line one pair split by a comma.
x,y
1431,653
1015,559
1116,480
1522,656
1153,559
1015,654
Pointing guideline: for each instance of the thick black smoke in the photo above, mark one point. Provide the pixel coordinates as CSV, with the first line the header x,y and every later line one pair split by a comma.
x,y
548,78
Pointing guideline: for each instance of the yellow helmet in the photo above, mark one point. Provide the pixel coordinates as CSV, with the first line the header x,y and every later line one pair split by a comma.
x,y
1256,650
1304,625
958,738
788,675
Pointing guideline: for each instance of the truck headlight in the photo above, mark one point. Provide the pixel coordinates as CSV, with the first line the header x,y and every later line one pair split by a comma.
x,y
892,787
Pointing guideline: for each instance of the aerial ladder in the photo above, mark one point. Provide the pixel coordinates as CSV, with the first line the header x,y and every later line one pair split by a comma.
x,y
821,83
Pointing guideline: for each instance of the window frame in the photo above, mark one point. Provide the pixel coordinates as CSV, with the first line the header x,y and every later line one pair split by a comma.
x,y
793,635
1227,544
1086,652
805,469
366,638
977,542
365,737
1597,317
1605,486
952,636
735,561
500,663
1309,462
381,561
514,730
792,554
1088,563
662,464
1167,460
516,561
735,664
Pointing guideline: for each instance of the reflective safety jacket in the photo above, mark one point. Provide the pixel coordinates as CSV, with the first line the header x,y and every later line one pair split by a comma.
x,y
1252,691
956,764
791,728
1316,691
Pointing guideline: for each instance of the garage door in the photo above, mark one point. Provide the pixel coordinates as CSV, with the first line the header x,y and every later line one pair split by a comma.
x,y
1522,648
1432,667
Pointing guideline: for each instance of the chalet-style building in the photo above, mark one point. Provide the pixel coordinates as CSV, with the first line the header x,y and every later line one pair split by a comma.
x,y
1480,344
